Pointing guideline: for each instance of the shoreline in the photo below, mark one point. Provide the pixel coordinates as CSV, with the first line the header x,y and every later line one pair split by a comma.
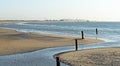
x,y
14,42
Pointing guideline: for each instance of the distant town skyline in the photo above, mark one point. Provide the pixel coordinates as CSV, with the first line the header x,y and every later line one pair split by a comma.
x,y
94,10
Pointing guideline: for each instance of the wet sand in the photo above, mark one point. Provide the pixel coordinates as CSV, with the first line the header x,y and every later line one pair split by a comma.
x,y
13,42
3,22
92,57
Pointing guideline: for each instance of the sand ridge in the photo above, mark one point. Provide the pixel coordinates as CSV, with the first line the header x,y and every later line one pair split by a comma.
x,y
92,57
14,42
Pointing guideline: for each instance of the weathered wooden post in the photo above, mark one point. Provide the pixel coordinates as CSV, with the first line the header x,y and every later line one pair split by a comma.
x,y
96,33
57,61
76,45
82,34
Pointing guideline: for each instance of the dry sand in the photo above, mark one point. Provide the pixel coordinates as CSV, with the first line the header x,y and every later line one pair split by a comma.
x,y
92,57
13,42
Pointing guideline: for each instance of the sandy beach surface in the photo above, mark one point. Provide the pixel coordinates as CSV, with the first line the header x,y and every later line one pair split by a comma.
x,y
92,57
4,22
13,42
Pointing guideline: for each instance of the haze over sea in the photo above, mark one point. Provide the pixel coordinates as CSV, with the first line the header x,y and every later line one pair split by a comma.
x,y
108,31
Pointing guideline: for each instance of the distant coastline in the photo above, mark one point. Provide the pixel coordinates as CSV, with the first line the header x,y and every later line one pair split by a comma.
x,y
52,20
60,20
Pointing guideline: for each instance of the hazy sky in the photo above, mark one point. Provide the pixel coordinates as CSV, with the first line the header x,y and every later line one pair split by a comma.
x,y
101,10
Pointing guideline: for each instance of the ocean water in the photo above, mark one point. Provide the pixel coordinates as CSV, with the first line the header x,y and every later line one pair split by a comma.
x,y
109,31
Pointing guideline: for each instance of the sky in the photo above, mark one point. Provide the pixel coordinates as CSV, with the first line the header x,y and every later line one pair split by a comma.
x,y
98,10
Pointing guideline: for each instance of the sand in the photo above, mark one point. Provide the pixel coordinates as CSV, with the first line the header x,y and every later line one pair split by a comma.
x,y
92,57
3,22
13,42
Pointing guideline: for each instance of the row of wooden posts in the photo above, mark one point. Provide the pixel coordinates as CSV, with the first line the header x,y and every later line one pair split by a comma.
x,y
76,46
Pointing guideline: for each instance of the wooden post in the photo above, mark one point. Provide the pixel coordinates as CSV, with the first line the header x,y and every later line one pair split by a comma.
x,y
82,34
76,45
96,33
57,61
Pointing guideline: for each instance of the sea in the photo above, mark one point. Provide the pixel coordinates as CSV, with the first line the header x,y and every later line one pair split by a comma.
x,y
108,31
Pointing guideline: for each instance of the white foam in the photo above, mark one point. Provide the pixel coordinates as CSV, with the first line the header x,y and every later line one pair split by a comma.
x,y
107,40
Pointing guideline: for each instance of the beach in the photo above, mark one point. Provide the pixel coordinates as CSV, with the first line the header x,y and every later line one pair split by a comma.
x,y
14,42
45,40
92,57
